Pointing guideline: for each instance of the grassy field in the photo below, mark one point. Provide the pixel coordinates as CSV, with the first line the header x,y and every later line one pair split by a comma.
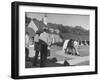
x,y
83,51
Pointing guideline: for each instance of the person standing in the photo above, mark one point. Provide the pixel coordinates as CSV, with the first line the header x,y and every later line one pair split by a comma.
x,y
44,43
76,47
27,44
36,48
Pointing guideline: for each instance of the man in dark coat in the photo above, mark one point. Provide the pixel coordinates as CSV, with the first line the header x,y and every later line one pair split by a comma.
x,y
36,48
44,42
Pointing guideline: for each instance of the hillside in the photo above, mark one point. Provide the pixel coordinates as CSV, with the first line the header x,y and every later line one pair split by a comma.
x,y
66,32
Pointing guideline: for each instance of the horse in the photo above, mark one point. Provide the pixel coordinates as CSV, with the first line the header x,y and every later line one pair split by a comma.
x,y
72,47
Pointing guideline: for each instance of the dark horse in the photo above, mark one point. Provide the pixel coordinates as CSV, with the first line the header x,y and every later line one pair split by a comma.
x,y
71,47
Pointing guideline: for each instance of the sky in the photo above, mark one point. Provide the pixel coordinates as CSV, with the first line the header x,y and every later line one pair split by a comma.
x,y
65,19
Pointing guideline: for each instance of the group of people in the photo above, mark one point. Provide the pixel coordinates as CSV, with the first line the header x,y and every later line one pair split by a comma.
x,y
72,47
41,45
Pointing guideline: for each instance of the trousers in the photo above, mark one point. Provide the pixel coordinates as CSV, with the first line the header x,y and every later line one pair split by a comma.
x,y
43,53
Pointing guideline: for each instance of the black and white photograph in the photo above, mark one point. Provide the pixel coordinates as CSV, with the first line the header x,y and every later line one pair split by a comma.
x,y
53,40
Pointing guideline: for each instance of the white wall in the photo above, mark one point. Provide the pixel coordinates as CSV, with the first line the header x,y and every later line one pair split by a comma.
x,y
5,40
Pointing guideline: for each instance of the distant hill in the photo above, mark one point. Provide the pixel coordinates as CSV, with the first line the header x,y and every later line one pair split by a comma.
x,y
66,32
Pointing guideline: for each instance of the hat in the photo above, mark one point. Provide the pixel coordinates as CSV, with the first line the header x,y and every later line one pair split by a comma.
x,y
38,32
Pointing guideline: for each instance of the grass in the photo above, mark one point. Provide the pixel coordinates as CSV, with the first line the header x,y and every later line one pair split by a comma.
x,y
83,50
